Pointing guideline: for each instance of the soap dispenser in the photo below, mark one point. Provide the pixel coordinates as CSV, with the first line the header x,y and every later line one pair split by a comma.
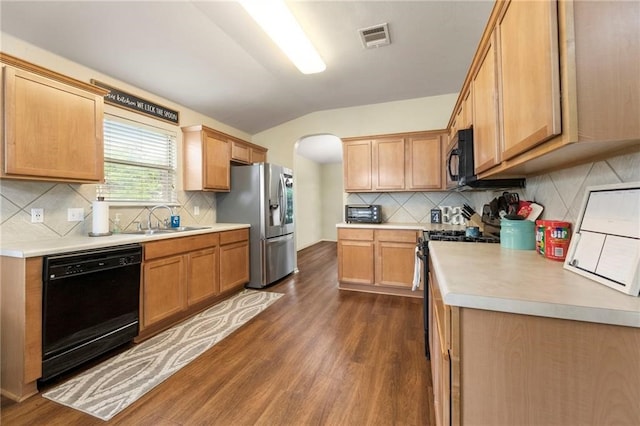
x,y
175,218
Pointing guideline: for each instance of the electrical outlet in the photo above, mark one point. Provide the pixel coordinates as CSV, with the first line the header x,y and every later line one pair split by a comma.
x,y
37,215
75,214
196,210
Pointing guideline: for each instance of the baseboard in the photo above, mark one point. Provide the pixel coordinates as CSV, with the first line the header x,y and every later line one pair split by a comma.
x,y
313,244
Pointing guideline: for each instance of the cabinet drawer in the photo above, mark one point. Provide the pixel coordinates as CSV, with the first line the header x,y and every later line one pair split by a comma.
x,y
355,234
228,237
396,236
173,246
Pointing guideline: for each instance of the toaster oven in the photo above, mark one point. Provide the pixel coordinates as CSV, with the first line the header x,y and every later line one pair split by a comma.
x,y
363,213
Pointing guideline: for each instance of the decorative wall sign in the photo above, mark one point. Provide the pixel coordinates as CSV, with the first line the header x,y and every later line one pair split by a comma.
x,y
134,103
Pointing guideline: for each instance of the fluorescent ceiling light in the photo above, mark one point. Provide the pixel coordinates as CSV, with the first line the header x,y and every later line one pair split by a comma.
x,y
276,20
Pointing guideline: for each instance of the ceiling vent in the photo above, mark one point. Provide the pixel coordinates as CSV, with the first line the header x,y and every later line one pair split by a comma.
x,y
375,36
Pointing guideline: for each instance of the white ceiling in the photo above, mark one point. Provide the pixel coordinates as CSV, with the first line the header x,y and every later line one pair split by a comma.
x,y
211,57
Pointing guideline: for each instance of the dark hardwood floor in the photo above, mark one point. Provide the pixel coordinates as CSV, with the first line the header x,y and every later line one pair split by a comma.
x,y
318,356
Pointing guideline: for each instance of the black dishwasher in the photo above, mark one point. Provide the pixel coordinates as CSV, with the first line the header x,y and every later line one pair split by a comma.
x,y
90,305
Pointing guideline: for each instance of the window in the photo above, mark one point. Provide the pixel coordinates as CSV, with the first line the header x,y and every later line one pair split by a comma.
x,y
139,162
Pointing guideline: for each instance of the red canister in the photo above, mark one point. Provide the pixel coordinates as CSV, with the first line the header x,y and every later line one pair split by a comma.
x,y
552,238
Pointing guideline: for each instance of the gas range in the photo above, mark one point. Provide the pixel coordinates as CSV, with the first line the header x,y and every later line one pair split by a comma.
x,y
459,236
423,255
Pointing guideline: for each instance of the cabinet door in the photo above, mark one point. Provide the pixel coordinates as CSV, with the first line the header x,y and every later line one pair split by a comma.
x,y
163,289
202,275
258,156
424,163
388,164
240,152
357,165
234,265
486,141
395,258
467,109
217,168
530,76
356,261
52,130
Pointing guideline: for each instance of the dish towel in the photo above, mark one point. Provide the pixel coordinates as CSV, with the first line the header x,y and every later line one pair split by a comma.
x,y
416,272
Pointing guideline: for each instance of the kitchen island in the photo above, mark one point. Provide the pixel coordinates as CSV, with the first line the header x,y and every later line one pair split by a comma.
x,y
516,339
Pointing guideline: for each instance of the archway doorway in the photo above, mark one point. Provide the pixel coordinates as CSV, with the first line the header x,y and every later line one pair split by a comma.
x,y
319,188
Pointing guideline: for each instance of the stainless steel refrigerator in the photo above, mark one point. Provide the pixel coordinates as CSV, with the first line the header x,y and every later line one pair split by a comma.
x,y
262,196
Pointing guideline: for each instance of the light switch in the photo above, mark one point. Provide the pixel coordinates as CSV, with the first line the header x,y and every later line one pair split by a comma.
x,y
75,214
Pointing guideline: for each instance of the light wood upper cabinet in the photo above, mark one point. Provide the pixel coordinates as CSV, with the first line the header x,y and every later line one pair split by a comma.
x,y
246,153
52,130
486,135
258,155
207,160
399,162
240,152
423,162
589,49
529,75
217,167
388,164
357,165
208,155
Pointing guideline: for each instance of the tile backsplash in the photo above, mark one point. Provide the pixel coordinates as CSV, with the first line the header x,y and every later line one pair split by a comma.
x,y
560,193
17,198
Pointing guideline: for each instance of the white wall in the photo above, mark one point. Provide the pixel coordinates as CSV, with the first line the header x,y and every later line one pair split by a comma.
x,y
332,199
392,117
308,202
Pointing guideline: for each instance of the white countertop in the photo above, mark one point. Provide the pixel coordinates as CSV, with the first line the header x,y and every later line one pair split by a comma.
x,y
409,226
486,276
68,244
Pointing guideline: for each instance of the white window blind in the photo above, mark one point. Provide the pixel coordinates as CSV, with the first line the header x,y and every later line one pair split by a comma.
x,y
139,162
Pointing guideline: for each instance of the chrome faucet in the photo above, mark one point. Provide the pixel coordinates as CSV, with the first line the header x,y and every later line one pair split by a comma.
x,y
152,210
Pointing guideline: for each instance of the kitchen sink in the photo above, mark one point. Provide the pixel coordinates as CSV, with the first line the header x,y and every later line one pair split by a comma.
x,y
165,230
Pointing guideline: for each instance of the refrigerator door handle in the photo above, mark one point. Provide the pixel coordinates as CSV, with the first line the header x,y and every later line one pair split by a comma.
x,y
284,202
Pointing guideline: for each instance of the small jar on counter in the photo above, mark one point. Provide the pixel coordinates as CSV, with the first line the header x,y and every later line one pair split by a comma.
x,y
553,238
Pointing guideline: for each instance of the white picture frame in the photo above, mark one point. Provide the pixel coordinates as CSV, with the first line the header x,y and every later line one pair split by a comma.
x,y
605,245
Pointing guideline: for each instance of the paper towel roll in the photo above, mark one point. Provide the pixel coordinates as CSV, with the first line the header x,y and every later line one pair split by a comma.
x,y
100,217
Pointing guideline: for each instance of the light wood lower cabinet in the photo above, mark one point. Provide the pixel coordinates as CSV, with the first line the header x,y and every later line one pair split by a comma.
x,y
395,257
377,261
203,275
356,256
184,275
20,326
500,368
234,259
163,289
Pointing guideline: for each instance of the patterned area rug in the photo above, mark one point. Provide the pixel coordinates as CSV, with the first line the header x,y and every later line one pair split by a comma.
x,y
112,386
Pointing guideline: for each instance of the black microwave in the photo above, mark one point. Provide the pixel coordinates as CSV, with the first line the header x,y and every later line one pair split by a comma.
x,y
460,167
363,213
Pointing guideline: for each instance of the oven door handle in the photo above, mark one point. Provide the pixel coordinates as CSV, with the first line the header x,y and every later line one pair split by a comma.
x,y
456,152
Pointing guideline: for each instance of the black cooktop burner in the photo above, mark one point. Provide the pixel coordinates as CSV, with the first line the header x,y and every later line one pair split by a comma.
x,y
458,235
